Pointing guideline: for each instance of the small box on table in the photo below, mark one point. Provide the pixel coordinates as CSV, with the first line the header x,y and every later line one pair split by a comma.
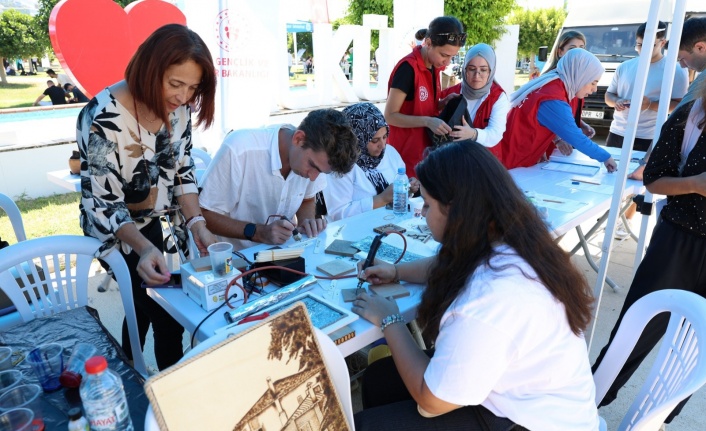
x,y
204,287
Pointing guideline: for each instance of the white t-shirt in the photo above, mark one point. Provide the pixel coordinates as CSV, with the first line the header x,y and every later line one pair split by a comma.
x,y
245,183
505,343
493,132
353,193
623,84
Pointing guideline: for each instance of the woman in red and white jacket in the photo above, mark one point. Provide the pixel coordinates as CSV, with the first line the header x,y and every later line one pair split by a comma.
x,y
486,102
414,89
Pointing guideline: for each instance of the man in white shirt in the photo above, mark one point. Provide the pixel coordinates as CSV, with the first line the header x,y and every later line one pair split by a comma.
x,y
63,79
262,182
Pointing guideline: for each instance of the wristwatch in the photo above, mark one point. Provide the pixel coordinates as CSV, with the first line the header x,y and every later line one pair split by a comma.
x,y
249,231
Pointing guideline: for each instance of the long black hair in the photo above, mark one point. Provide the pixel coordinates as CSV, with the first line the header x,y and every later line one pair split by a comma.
x,y
483,205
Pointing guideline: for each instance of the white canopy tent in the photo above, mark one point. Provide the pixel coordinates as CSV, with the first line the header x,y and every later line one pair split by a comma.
x,y
674,37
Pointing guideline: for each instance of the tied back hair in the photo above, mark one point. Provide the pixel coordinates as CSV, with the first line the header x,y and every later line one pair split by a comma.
x,y
484,206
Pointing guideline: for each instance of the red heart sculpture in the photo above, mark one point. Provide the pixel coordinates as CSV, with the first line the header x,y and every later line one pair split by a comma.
x,y
95,39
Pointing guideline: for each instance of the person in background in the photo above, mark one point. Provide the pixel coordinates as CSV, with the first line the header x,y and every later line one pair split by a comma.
x,y
56,94
675,256
541,110
570,40
504,307
78,96
415,89
134,139
369,184
262,183
61,78
692,55
486,103
620,91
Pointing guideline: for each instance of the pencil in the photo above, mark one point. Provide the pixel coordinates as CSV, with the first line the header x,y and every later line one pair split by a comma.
x,y
552,200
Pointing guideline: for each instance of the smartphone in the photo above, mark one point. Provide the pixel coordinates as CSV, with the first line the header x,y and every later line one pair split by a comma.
x,y
174,281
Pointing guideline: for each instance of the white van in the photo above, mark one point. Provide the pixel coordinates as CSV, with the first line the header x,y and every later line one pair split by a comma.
x,y
610,27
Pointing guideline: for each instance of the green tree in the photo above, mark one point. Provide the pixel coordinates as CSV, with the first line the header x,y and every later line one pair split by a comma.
x,y
538,27
44,12
482,19
18,38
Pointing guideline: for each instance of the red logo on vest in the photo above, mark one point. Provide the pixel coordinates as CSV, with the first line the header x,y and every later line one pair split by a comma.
x,y
423,93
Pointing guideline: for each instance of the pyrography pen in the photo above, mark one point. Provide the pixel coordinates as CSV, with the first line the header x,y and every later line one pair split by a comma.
x,y
295,232
370,259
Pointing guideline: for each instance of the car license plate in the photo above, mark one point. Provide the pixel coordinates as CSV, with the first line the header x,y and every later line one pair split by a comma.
x,y
592,114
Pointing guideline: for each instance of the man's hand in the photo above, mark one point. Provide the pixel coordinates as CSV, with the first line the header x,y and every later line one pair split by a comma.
x,y
311,227
275,233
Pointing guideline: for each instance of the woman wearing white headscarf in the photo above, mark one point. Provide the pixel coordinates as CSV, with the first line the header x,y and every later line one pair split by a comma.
x,y
541,110
486,102
369,184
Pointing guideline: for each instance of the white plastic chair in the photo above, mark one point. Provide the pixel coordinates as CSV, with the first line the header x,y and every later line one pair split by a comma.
x,y
58,290
201,161
332,357
680,367
9,206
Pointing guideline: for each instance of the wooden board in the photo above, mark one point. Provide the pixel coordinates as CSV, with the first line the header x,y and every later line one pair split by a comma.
x,y
341,247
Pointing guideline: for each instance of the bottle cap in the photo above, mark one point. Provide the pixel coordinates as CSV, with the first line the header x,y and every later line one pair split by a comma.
x,y
96,364
401,170
69,379
75,413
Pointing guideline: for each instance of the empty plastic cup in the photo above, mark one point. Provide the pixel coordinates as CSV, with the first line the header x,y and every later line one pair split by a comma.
x,y
48,363
5,358
9,379
16,420
24,397
221,254
71,377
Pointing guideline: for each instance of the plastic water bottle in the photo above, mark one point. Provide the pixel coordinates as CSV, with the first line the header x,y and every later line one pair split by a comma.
x,y
76,420
400,188
103,397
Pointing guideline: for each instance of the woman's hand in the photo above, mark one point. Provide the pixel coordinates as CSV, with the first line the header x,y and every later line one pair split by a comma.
x,y
637,173
464,131
587,130
610,165
152,268
374,308
379,273
438,126
202,237
447,99
564,147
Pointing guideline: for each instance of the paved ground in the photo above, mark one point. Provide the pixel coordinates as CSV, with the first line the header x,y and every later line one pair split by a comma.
x,y
620,270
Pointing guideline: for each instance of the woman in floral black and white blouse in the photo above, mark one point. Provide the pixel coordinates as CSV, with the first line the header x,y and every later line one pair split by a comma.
x,y
675,258
134,138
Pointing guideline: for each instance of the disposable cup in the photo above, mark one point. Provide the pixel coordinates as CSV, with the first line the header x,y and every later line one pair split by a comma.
x,y
16,420
417,205
221,254
5,358
47,361
9,379
23,397
71,377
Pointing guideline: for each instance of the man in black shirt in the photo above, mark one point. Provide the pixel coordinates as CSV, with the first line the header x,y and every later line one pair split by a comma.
x,y
56,94
79,97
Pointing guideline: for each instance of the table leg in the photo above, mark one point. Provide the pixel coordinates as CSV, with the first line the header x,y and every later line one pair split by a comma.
x,y
584,244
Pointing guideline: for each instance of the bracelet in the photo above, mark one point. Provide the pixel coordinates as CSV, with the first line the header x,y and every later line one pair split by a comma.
x,y
396,279
193,220
389,320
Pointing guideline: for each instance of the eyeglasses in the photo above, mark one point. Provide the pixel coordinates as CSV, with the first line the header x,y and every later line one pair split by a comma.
x,y
441,39
474,71
378,139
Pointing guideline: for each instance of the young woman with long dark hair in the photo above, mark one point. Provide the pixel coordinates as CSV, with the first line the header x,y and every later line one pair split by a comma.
x,y
504,308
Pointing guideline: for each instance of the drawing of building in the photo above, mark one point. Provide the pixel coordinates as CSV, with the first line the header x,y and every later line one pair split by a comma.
x,y
293,403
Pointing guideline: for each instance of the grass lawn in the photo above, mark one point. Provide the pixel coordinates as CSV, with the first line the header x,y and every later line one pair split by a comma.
x,y
22,91
53,215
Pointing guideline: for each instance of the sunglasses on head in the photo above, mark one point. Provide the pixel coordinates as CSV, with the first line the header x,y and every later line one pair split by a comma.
x,y
441,39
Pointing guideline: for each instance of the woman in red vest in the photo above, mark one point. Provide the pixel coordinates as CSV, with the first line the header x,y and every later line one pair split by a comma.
x,y
414,89
485,100
541,110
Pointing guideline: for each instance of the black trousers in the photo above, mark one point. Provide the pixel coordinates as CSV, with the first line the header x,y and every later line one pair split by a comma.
x,y
167,331
388,405
675,259
616,141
